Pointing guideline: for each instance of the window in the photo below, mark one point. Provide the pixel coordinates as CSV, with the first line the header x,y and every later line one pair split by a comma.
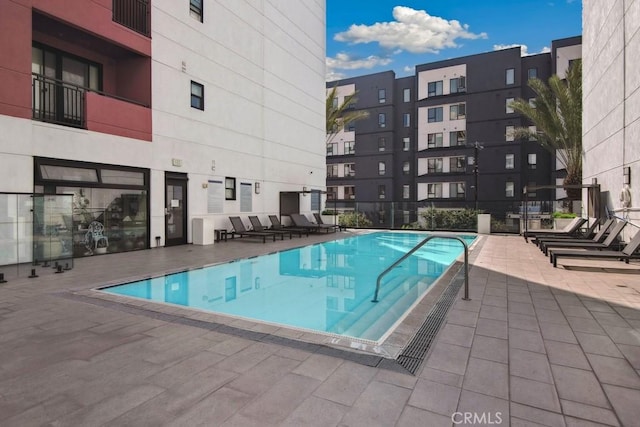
x,y
382,168
510,76
507,104
434,165
197,95
509,161
406,95
406,144
458,84
532,102
457,138
195,9
349,169
457,111
381,191
530,191
332,193
456,190
406,168
571,62
434,191
434,88
509,133
349,192
532,160
382,119
332,149
335,103
534,132
406,120
382,143
405,192
508,189
382,96
350,147
434,140
532,73
434,114
332,171
351,127
230,188
457,164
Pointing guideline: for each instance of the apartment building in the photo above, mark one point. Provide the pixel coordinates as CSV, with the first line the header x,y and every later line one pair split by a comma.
x,y
151,113
451,131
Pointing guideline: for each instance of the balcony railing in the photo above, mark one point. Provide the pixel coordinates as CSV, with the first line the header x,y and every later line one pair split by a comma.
x,y
132,14
55,101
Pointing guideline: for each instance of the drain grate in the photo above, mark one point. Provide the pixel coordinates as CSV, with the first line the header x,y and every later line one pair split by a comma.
x,y
413,354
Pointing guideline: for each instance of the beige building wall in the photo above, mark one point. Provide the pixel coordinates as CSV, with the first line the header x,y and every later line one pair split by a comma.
x,y
611,101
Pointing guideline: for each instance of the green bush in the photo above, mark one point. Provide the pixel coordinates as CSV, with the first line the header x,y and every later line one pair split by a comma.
x,y
451,219
354,219
412,226
558,214
328,212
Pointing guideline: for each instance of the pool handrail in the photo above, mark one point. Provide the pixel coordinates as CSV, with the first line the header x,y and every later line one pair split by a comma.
x,y
418,246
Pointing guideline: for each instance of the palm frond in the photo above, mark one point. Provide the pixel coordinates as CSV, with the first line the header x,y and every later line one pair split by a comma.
x,y
339,115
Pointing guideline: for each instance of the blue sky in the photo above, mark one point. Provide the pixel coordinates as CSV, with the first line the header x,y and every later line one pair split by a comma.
x,y
369,36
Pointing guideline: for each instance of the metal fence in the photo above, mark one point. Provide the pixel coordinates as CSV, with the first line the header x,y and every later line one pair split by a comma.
x,y
132,14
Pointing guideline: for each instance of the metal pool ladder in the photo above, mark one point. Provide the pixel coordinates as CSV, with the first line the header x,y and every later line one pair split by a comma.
x,y
421,244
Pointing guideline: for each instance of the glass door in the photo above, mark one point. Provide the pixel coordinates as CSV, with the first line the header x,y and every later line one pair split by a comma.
x,y
175,209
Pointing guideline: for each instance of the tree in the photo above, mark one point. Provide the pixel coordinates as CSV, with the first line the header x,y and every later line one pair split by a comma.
x,y
557,116
340,115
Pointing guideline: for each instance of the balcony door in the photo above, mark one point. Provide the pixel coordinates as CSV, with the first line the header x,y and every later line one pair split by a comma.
x,y
59,83
175,209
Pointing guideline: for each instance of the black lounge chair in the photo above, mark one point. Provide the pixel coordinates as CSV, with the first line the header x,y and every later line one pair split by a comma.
x,y
630,251
598,238
302,221
277,225
609,243
569,230
240,230
257,226
319,221
588,234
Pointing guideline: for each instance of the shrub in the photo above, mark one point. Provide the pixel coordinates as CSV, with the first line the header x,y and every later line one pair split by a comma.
x,y
328,212
451,219
354,219
558,214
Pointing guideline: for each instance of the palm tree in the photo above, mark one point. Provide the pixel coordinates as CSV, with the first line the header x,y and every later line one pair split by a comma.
x,y
557,116
340,115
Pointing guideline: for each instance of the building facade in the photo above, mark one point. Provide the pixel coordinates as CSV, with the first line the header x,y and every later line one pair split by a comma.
x,y
451,132
611,105
151,113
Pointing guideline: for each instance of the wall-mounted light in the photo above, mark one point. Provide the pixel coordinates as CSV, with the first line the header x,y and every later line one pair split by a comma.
x,y
594,181
305,190
256,187
205,185
626,175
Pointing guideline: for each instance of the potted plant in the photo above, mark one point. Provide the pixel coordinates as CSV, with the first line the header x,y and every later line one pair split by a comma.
x,y
562,219
328,216
101,247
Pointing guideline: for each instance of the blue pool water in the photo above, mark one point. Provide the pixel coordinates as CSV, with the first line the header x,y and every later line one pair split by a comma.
x,y
326,287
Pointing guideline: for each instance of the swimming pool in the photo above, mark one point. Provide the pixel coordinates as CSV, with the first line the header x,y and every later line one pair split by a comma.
x,y
326,287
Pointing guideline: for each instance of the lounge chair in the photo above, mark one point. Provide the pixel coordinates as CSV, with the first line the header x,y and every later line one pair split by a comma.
x,y
588,234
301,221
277,225
571,229
319,221
630,251
608,243
598,238
240,230
257,226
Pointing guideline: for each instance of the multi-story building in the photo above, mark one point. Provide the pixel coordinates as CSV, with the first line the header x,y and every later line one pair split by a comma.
x,y
154,112
450,130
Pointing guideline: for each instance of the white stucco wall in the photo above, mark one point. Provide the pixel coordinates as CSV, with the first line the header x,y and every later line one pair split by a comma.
x,y
611,99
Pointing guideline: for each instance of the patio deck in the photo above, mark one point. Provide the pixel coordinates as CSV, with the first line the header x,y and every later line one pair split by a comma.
x,y
534,346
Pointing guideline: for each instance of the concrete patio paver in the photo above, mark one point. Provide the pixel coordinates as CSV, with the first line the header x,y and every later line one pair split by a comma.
x,y
536,345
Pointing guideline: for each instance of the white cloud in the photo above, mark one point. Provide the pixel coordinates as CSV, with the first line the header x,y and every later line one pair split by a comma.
x,y
413,30
408,69
523,48
343,61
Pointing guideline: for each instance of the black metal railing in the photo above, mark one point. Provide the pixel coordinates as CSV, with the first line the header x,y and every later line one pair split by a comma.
x,y
132,14
55,101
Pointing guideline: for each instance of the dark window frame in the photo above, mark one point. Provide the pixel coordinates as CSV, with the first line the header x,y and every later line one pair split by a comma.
x,y
196,97
228,188
197,11
435,113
